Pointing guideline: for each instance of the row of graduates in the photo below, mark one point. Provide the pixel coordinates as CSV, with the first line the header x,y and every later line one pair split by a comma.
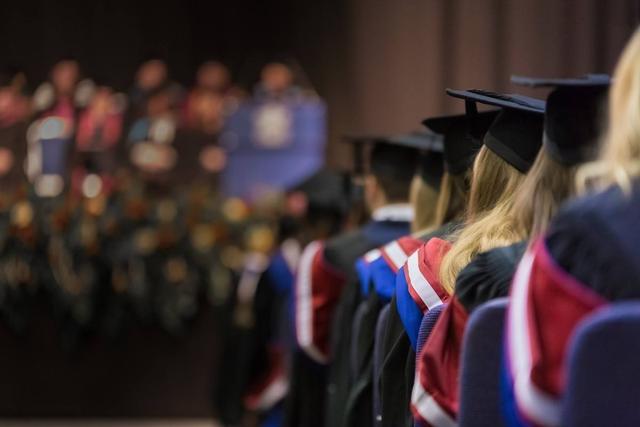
x,y
537,202
109,204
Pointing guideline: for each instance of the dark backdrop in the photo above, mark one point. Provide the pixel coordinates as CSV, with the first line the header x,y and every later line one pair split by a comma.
x,y
111,37
382,65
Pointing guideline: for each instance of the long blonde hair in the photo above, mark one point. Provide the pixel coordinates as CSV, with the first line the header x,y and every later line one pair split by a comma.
x,y
491,216
547,184
423,197
620,155
453,197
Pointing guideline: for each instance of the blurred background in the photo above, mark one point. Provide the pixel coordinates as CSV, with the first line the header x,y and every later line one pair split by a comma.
x,y
153,134
381,65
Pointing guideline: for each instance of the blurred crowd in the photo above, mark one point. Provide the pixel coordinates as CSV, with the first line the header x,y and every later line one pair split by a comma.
x,y
110,203
95,127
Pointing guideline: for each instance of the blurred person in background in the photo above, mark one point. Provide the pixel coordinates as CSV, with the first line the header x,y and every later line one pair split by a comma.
x,y
14,112
202,158
152,75
213,80
98,136
150,142
277,82
50,137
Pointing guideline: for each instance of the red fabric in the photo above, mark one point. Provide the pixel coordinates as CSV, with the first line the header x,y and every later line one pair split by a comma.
x,y
430,257
258,392
63,108
439,361
408,245
556,304
87,124
326,286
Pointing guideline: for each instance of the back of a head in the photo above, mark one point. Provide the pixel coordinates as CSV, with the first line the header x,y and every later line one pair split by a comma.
x,y
462,136
620,157
393,167
492,179
319,203
510,147
571,133
490,214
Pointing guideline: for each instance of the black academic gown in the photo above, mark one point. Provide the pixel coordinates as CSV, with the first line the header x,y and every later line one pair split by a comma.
x,y
488,275
594,239
399,360
359,404
343,253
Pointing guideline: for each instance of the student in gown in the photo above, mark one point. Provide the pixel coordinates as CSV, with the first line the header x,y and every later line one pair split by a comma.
x,y
376,271
572,121
570,134
326,286
462,138
587,259
510,147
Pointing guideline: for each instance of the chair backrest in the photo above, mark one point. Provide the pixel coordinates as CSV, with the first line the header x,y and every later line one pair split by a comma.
x,y
428,322
354,351
603,378
426,326
480,366
378,358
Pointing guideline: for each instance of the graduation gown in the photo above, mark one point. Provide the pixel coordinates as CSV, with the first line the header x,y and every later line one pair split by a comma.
x,y
564,278
383,265
326,274
341,255
398,354
253,370
488,276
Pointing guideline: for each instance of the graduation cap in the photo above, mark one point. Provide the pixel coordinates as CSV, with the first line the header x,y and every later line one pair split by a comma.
x,y
572,115
586,80
431,162
388,154
462,137
516,133
324,191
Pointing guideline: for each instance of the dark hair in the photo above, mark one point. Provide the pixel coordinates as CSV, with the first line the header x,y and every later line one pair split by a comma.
x,y
394,167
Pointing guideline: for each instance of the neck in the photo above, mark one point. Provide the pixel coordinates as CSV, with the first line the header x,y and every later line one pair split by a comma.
x,y
398,211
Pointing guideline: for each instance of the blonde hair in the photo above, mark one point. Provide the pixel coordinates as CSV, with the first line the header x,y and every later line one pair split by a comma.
x,y
452,199
491,219
423,197
620,156
547,184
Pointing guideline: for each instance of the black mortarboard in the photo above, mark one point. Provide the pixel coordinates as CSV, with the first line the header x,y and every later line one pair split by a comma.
x,y
388,155
572,117
586,80
462,137
516,133
431,162
427,141
325,191
359,142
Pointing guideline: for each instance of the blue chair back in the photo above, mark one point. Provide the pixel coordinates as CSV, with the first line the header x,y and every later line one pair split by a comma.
x,y
426,326
480,363
603,378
